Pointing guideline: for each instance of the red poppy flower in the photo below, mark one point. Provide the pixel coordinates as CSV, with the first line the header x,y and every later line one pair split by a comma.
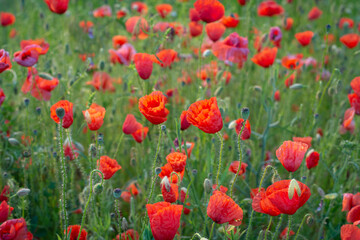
x,y
209,10
161,27
215,30
169,191
288,23
68,117
247,130
5,193
242,2
124,55
177,161
102,81
164,219
70,151
15,229
13,33
314,13
292,61
291,154
194,15
94,116
354,214
183,121
140,7
346,22
103,11
355,85
5,63
205,115
86,25
349,232
347,202
233,49
195,28
140,134
255,191
277,96
269,8
121,13
153,107
137,27
130,124
354,100
275,200
143,64
2,96
5,211
108,166
130,234
166,171
266,57
222,209
312,159
7,19
119,40
234,167
40,42
306,140
75,229
290,80
348,123
28,56
284,233
163,9
166,57
230,21
350,40
304,38
57,6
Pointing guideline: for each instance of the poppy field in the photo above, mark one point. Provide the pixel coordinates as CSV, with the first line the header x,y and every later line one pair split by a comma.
x,y
179,119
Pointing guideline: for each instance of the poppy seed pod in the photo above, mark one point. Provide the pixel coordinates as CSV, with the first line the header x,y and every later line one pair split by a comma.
x,y
22,192
98,188
117,193
157,170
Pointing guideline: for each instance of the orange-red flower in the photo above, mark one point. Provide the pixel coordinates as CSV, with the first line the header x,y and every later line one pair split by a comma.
x,y
215,30
230,21
314,13
350,40
137,27
166,171
304,38
124,55
140,134
163,9
269,8
5,63
183,121
348,122
222,209
292,61
177,161
140,7
103,11
354,214
347,201
234,167
209,10
130,234
355,85
291,154
75,231
102,81
350,232
15,229
86,25
275,200
57,6
194,15
284,233
68,117
121,13
40,42
119,40
306,140
143,64
7,19
71,152
288,23
247,129
166,57
94,116
108,166
312,159
277,96
5,211
130,124
205,115
164,219
2,96
346,22
195,28
28,56
354,100
266,57
153,107
169,191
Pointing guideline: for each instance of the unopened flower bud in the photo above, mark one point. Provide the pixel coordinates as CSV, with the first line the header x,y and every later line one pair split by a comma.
x,y
309,220
13,141
26,154
38,110
22,192
207,186
124,224
102,65
26,102
194,172
207,53
157,170
60,112
117,193
163,127
98,188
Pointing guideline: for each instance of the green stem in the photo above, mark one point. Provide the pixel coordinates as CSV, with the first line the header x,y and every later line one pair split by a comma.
x,y
220,157
302,222
154,166
278,227
89,198
196,235
63,200
289,227
212,230
267,229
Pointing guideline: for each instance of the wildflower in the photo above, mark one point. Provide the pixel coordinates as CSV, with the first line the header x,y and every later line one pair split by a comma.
x,y
349,232
306,140
5,211
284,233
165,57
312,159
230,21
75,230
137,27
291,154
347,202
102,81
195,28
67,120
288,23
215,30
163,9
269,8
234,167
130,124
209,10
314,13
277,95
183,121
170,191
7,19
94,116
143,64
194,15
70,150
103,11
15,229
130,234
255,191
354,214
57,6
292,61
119,40
39,42
177,161
265,58
153,107
346,22
355,85
124,55
86,26
304,38
238,126
354,100
350,40
40,88
5,63
28,56
275,36
166,171
140,134
108,166
2,96
140,7
5,193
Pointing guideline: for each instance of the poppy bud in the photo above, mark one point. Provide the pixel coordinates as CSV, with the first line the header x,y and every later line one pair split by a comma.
x,y
292,187
296,86
92,150
165,182
60,112
207,53
309,220
101,138
14,142
112,215
328,27
26,102
117,193
22,192
98,188
26,154
38,110
163,128
331,196
245,112
124,224
157,170
257,88
102,65
194,172
218,91
207,186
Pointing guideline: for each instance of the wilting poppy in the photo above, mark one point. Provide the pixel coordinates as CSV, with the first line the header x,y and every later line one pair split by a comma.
x,y
355,85
143,64
288,23
314,13
124,55
234,167
68,117
177,161
194,15
269,8
306,140
275,200
137,27
140,7
291,154
209,10
350,40
284,233
266,57
108,166
205,115
312,159
140,134
130,234
28,56
195,28
160,214
7,19
354,100
166,57
15,229
183,121
130,124
233,49
2,96
57,6
94,116
304,38
119,40
247,129
5,211
222,209
275,36
292,61
152,106
350,232
230,21
5,63
346,22
166,171
75,230
103,11
169,191
215,30
163,9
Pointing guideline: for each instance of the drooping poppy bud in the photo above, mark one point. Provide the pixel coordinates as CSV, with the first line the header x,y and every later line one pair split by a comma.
x,y
94,116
